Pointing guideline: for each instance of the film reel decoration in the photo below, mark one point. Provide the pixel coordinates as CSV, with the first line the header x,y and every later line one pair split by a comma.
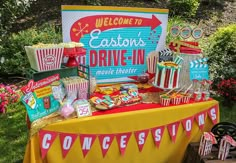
x,y
197,33
186,32
224,128
175,31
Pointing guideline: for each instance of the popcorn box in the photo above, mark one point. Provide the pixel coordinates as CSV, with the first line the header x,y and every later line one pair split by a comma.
x,y
206,142
152,59
44,59
82,88
223,150
225,144
165,101
176,100
186,99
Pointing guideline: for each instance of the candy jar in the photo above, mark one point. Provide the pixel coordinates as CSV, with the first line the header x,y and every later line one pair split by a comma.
x,y
143,78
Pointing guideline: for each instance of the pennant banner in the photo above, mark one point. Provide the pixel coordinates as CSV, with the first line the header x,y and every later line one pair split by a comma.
x,y
157,134
46,138
141,137
66,140
188,125
105,142
212,113
173,129
86,142
201,118
122,140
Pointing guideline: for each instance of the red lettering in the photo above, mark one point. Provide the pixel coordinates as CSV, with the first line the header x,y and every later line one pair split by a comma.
x,y
141,56
102,58
116,57
93,58
109,58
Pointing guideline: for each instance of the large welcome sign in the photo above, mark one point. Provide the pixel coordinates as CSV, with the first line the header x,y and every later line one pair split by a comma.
x,y
117,39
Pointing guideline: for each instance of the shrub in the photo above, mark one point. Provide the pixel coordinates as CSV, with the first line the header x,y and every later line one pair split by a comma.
x,y
227,89
222,53
8,95
185,8
15,60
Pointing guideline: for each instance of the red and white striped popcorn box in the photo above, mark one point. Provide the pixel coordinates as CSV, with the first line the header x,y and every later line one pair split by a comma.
x,y
206,142
225,144
176,100
165,101
82,88
186,99
45,59
152,59
71,90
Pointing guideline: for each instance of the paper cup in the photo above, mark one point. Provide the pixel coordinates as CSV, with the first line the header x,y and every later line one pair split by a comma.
x,y
165,101
186,99
197,96
176,100
152,60
205,96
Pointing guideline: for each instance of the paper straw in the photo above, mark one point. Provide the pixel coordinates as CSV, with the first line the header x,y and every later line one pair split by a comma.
x,y
188,89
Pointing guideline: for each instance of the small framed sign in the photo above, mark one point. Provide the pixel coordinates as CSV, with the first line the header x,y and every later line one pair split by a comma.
x,y
197,33
186,32
175,31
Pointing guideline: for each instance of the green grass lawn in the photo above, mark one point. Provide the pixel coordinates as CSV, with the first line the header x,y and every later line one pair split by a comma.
x,y
14,134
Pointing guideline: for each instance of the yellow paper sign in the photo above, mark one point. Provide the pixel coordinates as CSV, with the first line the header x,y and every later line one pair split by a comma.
x,y
43,92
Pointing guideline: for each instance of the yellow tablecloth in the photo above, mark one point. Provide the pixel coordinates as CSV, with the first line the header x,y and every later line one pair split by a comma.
x,y
168,152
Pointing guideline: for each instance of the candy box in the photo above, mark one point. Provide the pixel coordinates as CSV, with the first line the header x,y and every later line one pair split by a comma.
x,y
176,98
164,100
45,57
206,142
186,98
225,144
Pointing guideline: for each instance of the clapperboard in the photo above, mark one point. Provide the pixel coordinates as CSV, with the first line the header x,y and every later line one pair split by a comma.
x,y
165,55
199,69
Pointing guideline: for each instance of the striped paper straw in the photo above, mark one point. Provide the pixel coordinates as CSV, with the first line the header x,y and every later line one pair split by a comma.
x,y
178,60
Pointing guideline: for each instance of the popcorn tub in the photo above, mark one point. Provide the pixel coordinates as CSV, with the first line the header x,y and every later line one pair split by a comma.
x,y
186,99
46,58
176,100
165,101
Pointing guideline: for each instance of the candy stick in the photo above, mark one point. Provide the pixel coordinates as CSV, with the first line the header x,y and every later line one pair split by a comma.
x,y
180,89
170,91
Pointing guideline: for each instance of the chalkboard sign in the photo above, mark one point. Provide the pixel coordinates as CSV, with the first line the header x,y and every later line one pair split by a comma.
x,y
165,55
